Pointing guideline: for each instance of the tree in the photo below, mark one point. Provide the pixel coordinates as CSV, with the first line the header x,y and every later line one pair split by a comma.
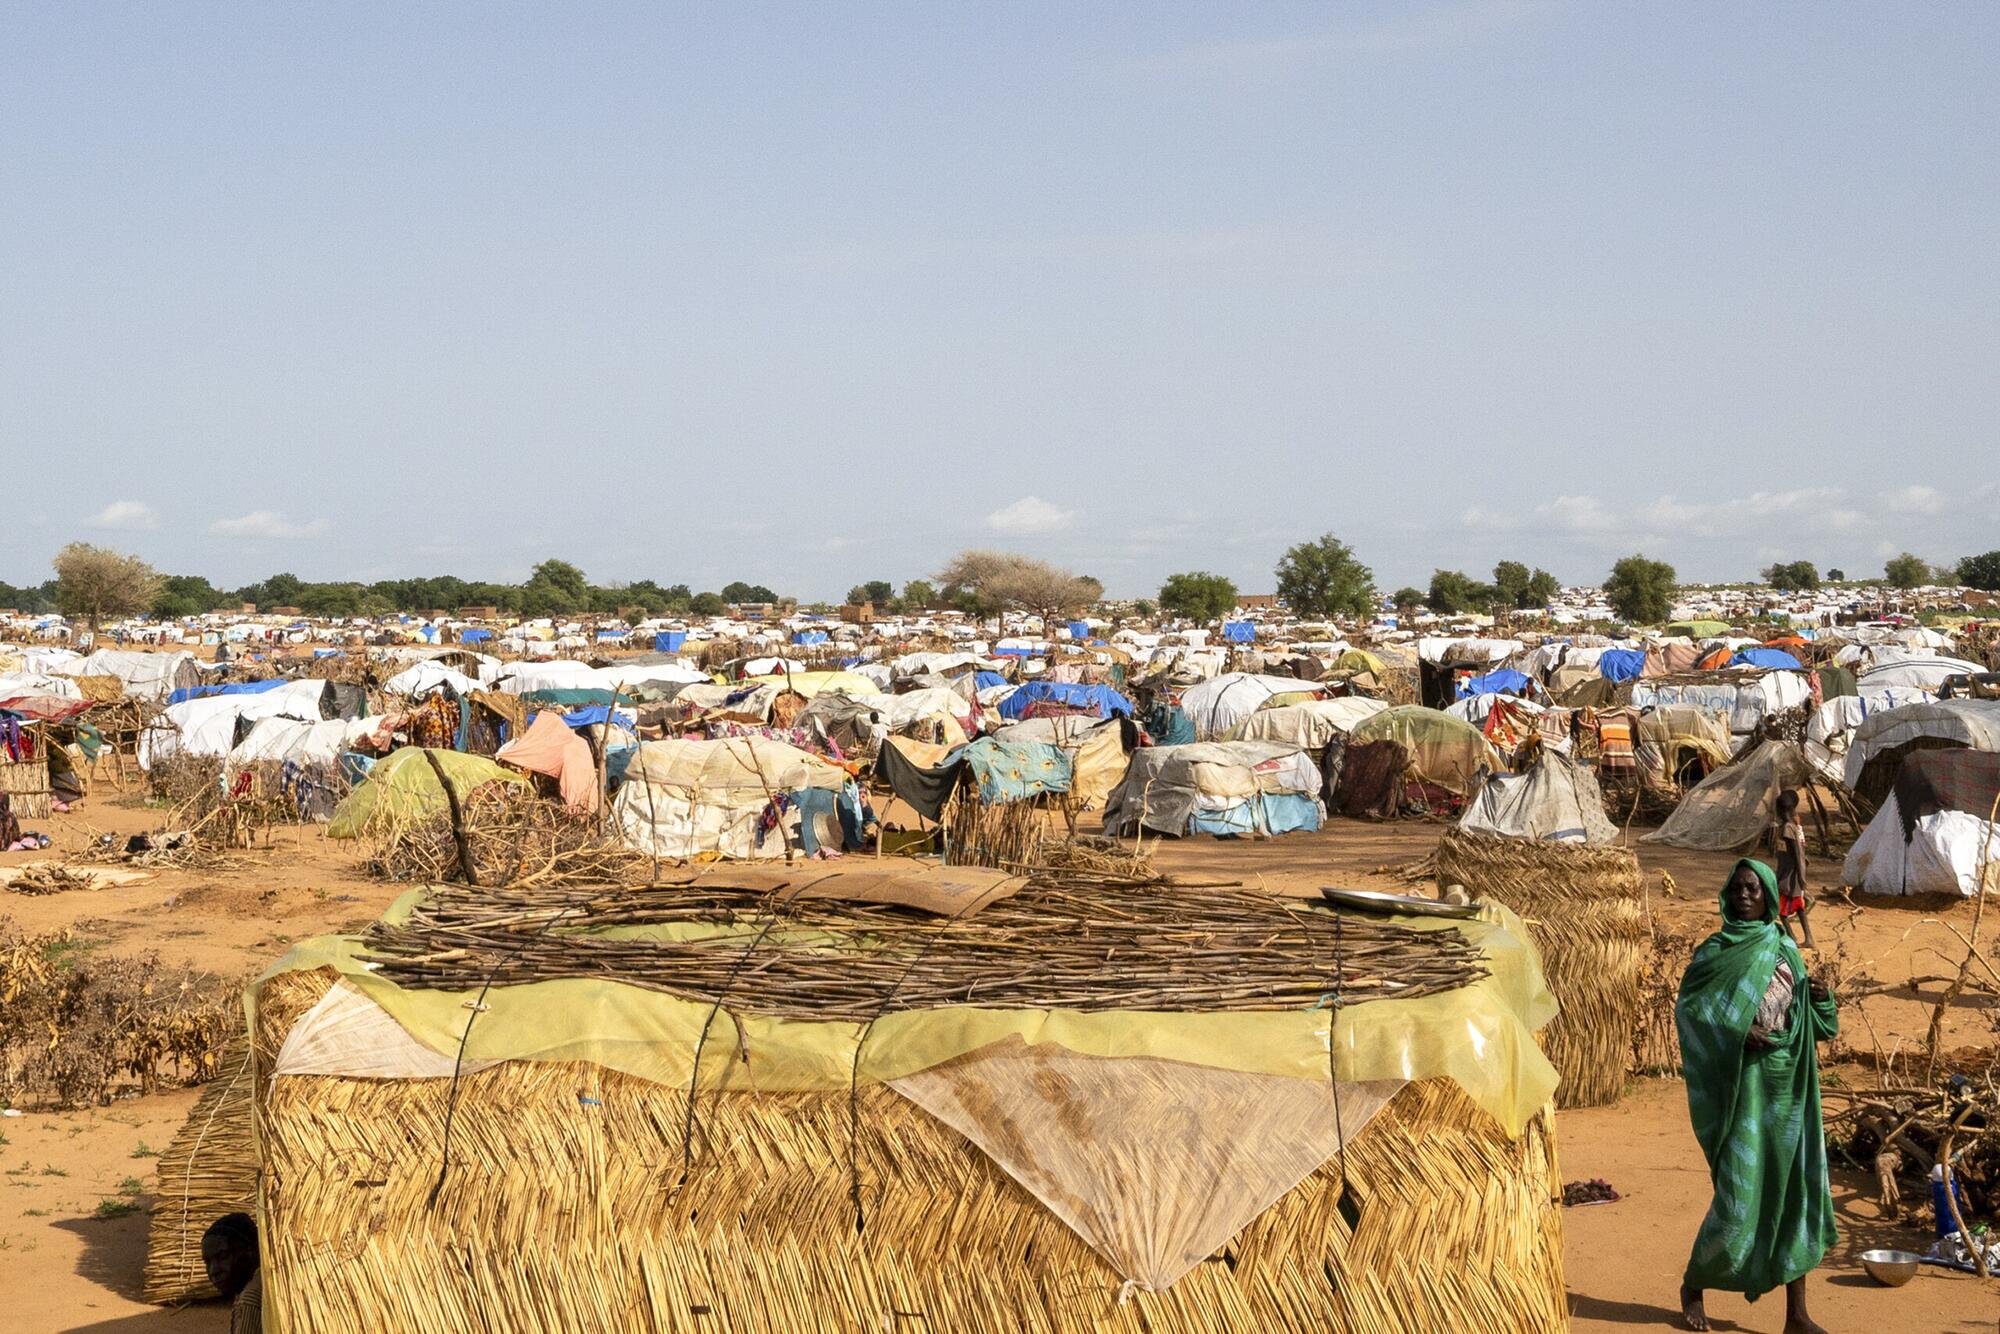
x,y
96,582
1144,609
1797,576
1641,591
878,591
990,581
1198,596
918,594
736,593
1905,571
1407,600
28,599
186,595
1835,574
1322,578
1540,592
554,588
1453,592
707,604
1980,571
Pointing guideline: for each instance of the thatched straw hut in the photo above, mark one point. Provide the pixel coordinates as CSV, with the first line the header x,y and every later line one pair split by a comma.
x,y
1584,905
621,1142
209,1170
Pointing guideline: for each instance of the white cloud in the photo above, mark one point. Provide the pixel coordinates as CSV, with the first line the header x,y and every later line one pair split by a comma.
x,y
266,524
1029,514
128,516
1916,500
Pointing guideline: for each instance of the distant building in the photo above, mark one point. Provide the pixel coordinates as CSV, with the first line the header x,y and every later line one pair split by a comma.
x,y
858,613
479,613
1256,602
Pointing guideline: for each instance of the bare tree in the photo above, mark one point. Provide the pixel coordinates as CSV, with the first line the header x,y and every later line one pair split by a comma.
x,y
991,581
97,582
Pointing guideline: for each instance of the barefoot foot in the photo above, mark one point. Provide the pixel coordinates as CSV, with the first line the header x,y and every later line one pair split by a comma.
x,y
1693,1316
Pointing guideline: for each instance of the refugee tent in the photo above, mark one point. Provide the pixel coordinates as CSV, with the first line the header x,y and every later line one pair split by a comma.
x,y
1026,1161
403,787
1499,681
1096,749
744,797
857,723
1217,787
809,684
1216,705
1934,834
1770,659
1680,744
213,725
300,760
1732,808
554,749
1307,726
1556,800
1445,752
1925,673
1038,697
144,675
1882,740
1698,629
423,677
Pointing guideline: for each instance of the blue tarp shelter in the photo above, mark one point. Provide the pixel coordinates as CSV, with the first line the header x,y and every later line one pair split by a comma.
x,y
987,680
1774,658
1501,681
669,641
186,693
474,636
1101,700
1239,632
809,636
1079,630
1621,664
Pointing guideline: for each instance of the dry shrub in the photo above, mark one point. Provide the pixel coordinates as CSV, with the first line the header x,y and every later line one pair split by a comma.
x,y
77,1027
515,837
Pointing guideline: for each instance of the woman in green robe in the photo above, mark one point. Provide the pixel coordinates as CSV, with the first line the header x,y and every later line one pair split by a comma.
x,y
1750,1021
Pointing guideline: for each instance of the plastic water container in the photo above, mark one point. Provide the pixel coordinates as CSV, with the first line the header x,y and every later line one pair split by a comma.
x,y
1940,1207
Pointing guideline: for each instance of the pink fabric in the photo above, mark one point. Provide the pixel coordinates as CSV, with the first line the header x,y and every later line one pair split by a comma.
x,y
550,747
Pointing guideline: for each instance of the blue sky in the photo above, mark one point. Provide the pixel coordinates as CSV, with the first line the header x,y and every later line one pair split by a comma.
x,y
813,294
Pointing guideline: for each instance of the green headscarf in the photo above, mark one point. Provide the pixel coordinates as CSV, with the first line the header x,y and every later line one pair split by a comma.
x,y
1756,1113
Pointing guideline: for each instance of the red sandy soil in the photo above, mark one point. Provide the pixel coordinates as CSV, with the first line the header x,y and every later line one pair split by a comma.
x,y
65,1268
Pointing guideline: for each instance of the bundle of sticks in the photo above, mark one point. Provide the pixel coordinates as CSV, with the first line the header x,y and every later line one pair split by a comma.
x,y
1902,1132
1065,940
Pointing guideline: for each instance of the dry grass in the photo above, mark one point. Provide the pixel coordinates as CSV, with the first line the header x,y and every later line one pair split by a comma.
x,y
566,1208
209,1170
1585,908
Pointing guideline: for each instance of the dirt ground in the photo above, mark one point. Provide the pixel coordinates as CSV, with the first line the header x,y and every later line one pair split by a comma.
x,y
75,1186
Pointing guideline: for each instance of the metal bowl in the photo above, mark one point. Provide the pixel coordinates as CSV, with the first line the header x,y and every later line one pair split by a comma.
x,y
1892,1269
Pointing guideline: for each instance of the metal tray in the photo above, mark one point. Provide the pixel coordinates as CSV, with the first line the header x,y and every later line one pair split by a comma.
x,y
1401,905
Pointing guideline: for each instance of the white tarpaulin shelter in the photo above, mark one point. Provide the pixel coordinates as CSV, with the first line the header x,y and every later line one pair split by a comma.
x,y
1220,703
1945,855
1973,723
207,726
1308,726
684,799
1557,800
144,675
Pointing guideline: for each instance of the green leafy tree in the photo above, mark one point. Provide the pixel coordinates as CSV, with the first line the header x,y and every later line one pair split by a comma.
x,y
1540,592
95,582
554,588
27,598
1982,572
1322,578
1906,571
1510,580
1453,593
186,595
1198,596
707,604
1407,600
736,592
918,594
1640,590
1835,574
878,591
1798,576
1144,609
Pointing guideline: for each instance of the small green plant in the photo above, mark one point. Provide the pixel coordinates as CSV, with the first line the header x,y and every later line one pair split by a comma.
x,y
51,1170
131,1186
145,1150
34,1213
110,1208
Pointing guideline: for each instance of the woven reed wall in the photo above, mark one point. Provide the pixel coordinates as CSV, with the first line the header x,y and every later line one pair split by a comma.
x,y
27,783
561,1214
1585,907
209,1170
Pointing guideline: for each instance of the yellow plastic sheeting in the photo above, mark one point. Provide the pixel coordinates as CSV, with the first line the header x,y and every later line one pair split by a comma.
x,y
1479,1035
